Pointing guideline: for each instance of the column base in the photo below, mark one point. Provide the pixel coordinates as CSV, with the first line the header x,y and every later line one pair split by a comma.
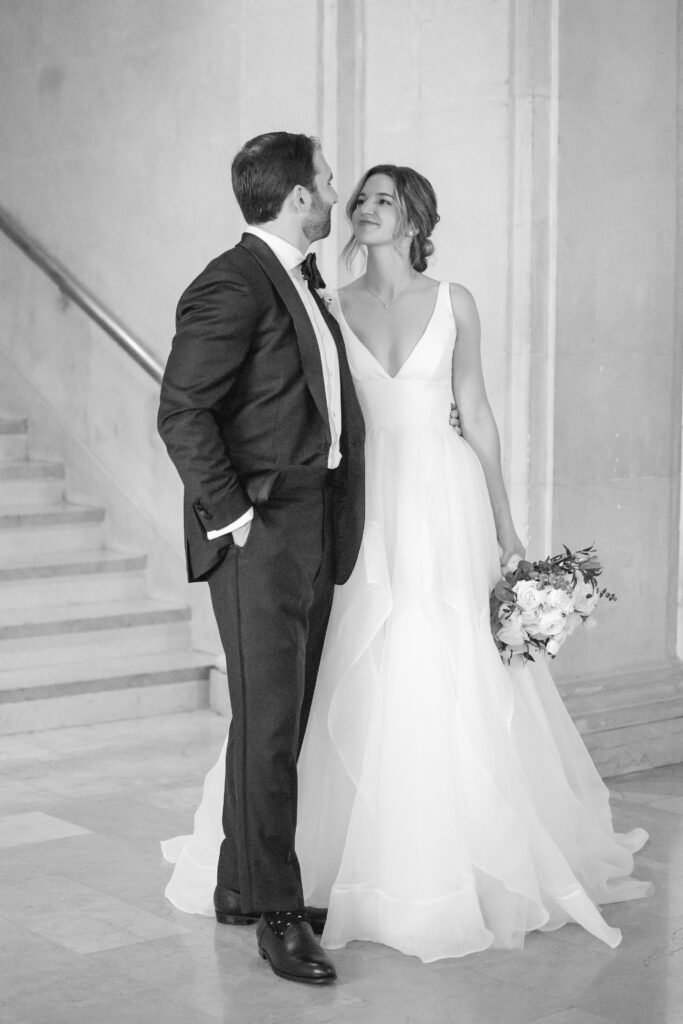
x,y
631,721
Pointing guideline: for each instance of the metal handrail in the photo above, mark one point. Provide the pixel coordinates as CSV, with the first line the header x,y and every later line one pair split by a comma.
x,y
77,292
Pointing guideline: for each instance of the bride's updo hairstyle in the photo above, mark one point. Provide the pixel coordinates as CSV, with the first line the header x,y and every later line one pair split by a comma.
x,y
416,201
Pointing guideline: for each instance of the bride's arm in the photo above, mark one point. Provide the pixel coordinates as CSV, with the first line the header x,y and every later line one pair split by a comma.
x,y
476,418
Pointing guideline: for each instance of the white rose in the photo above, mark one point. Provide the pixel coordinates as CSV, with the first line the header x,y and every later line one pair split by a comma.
x,y
585,598
551,622
511,631
527,595
557,598
573,620
552,647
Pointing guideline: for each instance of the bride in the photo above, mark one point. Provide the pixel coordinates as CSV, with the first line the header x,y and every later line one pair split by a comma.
x,y
446,801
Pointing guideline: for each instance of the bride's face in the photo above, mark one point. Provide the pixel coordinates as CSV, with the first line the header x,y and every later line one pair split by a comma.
x,y
376,216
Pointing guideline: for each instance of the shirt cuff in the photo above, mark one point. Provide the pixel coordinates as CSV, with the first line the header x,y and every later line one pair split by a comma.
x,y
242,521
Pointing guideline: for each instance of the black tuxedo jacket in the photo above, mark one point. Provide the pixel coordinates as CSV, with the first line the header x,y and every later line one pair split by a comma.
x,y
243,400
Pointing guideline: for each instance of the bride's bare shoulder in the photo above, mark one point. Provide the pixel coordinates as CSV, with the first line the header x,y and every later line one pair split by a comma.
x,y
462,301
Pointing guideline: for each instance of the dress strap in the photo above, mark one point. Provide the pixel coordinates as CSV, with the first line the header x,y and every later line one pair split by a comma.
x,y
445,304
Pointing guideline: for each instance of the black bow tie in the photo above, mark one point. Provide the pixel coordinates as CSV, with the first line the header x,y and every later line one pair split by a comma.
x,y
310,272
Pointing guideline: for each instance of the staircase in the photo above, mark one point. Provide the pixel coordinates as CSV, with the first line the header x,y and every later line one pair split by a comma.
x,y
80,641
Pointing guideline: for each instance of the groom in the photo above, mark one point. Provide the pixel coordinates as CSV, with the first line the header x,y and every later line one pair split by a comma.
x,y
260,418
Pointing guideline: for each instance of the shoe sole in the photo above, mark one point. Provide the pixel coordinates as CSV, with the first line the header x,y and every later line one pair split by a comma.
x,y
235,919
295,977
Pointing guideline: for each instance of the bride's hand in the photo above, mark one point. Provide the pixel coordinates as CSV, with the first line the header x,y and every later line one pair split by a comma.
x,y
454,419
512,554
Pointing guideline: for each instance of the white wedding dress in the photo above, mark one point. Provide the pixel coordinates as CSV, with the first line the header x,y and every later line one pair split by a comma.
x,y
447,803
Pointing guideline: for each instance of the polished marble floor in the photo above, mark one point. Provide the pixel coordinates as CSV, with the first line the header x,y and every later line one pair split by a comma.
x,y
86,936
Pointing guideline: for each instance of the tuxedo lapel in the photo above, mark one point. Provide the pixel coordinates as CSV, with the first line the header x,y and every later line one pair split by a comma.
x,y
308,343
352,417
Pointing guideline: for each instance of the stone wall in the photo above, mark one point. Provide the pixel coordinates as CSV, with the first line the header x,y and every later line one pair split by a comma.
x,y
548,128
616,455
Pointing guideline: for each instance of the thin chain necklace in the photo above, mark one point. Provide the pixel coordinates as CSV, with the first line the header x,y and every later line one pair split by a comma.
x,y
385,305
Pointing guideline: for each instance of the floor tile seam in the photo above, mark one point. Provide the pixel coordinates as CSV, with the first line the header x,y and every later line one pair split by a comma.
x,y
314,1013
645,809
125,1003
540,983
655,1014
48,937
135,845
492,989
591,1018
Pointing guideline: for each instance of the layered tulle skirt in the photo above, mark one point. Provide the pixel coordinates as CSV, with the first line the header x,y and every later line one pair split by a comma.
x,y
447,803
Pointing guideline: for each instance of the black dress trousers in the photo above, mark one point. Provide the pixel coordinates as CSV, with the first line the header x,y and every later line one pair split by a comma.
x,y
272,600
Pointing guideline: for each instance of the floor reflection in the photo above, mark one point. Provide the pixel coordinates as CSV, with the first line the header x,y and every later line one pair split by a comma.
x,y
86,935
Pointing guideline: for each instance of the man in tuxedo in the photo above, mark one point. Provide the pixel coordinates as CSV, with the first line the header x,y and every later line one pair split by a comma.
x,y
261,420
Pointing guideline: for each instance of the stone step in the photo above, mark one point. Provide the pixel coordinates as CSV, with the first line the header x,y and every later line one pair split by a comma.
x,y
13,438
31,483
631,714
636,747
47,697
34,529
71,577
59,635
581,704
630,722
79,640
647,684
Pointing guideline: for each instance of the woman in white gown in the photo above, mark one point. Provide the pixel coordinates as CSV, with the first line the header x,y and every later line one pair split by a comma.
x,y
447,803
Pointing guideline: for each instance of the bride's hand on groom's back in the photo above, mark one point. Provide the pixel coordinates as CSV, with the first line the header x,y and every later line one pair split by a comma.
x,y
454,419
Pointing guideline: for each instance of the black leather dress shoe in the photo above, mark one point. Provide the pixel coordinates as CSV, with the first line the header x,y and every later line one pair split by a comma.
x,y
228,908
296,956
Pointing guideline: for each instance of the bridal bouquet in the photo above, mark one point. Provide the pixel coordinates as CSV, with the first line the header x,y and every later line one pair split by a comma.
x,y
537,605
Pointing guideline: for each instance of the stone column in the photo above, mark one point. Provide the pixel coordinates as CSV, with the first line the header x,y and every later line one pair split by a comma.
x,y
615,406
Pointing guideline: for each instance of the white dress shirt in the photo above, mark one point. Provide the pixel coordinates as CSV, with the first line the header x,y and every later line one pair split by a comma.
x,y
291,259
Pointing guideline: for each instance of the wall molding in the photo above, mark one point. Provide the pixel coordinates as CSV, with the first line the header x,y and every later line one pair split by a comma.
x,y
529,428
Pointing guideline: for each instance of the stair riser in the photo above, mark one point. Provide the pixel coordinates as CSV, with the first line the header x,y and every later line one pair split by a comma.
x,y
38,491
81,589
638,714
64,648
636,748
43,539
103,706
580,707
13,447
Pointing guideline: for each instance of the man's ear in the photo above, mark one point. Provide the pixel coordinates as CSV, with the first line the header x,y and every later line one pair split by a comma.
x,y
295,201
301,197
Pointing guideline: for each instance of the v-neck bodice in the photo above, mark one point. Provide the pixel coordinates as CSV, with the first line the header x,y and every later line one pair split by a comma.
x,y
430,357
422,388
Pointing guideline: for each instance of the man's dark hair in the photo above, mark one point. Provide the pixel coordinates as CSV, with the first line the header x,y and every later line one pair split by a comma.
x,y
267,168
